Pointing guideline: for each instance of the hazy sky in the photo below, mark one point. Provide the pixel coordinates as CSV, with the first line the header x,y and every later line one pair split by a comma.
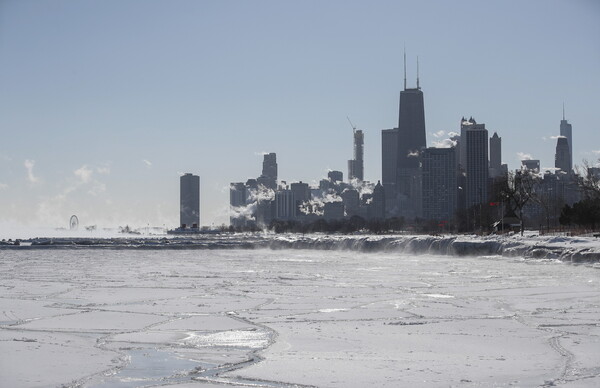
x,y
104,103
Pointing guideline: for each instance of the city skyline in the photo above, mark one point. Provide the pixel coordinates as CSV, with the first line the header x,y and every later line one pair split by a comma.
x,y
102,127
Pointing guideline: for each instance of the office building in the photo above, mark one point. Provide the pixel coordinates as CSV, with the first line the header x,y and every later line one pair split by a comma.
x,y
531,165
268,177
285,205
401,148
301,193
189,201
476,154
495,156
411,124
356,165
378,204
439,183
335,176
566,130
562,157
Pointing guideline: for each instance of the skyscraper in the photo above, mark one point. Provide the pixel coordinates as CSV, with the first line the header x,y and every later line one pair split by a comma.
x,y
268,177
389,156
189,201
285,205
389,166
531,165
335,176
476,147
411,124
237,200
401,148
495,155
566,130
439,183
301,193
378,203
356,165
562,158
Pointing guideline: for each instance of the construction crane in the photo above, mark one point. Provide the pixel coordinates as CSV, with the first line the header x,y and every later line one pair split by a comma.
x,y
352,125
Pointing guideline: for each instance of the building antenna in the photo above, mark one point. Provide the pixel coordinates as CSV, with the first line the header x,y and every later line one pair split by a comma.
x,y
405,67
563,110
418,87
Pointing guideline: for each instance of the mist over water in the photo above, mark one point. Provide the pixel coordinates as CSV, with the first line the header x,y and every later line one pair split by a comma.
x,y
531,246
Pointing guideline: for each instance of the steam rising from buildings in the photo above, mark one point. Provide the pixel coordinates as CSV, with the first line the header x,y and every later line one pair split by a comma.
x,y
458,174
258,202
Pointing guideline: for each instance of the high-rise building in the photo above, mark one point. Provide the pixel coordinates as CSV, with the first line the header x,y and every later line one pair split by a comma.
x,y
335,176
389,156
531,164
476,147
566,130
268,177
189,201
495,155
285,208
562,158
401,148
439,183
237,194
237,201
389,165
411,124
464,125
356,165
301,193
378,203
351,201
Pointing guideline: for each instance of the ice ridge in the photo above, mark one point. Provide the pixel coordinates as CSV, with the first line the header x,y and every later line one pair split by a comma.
x,y
571,249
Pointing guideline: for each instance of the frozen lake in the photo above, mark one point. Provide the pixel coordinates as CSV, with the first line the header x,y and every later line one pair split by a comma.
x,y
294,318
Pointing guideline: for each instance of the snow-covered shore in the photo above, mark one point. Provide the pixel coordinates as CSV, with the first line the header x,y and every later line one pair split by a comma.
x,y
570,249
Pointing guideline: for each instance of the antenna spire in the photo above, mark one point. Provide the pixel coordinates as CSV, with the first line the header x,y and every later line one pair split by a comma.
x,y
418,87
404,67
563,110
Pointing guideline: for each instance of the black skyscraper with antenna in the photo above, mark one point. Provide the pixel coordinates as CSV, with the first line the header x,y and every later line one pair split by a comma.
x,y
411,124
401,154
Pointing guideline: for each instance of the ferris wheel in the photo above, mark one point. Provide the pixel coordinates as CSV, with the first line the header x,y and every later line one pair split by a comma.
x,y
74,222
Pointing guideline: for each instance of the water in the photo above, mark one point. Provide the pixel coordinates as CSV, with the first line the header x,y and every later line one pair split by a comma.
x,y
284,318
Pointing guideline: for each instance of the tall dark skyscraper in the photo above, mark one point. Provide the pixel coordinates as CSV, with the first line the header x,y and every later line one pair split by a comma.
x,y
562,158
268,177
401,152
439,183
566,130
189,201
356,165
411,141
269,168
495,155
411,124
476,147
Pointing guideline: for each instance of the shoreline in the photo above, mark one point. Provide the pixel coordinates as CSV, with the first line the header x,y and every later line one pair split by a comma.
x,y
568,249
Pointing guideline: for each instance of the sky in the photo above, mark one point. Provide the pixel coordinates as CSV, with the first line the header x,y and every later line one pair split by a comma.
x,y
105,103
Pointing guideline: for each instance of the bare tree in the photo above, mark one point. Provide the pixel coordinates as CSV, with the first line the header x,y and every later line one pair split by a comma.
x,y
517,189
547,196
589,179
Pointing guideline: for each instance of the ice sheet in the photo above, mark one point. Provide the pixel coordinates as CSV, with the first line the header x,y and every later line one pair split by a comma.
x,y
283,318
